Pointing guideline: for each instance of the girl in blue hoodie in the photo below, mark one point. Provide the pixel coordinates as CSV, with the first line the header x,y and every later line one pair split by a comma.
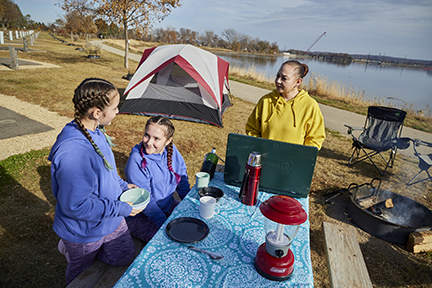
x,y
89,218
156,165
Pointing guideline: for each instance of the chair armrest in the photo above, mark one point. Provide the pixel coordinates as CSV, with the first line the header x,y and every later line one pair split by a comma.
x,y
403,142
352,128
419,142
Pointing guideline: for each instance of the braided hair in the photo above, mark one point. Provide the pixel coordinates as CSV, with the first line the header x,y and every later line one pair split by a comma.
x,y
92,92
168,134
300,69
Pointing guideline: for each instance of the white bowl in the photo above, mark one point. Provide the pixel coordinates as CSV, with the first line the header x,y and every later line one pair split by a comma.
x,y
138,196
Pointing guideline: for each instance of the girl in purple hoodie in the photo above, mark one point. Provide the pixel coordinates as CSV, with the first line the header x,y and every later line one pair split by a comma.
x,y
89,218
156,165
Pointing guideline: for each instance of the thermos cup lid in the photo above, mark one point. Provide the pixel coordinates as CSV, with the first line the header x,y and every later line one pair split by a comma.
x,y
254,159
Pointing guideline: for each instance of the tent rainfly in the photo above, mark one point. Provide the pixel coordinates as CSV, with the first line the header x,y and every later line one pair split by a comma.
x,y
180,82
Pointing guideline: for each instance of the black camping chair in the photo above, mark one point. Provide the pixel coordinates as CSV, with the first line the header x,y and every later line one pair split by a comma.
x,y
381,132
425,160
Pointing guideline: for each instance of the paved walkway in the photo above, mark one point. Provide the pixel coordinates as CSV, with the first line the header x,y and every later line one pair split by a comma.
x,y
334,118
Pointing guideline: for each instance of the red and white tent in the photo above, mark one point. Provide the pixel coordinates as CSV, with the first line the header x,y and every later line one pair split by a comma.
x,y
180,82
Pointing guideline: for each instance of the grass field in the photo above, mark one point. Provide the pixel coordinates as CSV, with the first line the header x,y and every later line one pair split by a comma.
x,y
28,245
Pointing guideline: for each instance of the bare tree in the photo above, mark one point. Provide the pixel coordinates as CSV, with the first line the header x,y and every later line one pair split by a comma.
x,y
136,14
245,41
231,36
171,35
188,36
208,38
77,23
81,15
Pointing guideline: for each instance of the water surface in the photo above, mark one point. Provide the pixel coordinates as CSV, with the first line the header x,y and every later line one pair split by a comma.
x,y
396,85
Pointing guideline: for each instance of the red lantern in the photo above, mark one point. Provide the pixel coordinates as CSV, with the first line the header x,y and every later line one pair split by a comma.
x,y
274,259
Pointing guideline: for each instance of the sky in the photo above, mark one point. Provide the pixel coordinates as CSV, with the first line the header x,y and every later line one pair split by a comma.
x,y
398,28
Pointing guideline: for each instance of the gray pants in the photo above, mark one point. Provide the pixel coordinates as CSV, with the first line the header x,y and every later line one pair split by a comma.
x,y
115,249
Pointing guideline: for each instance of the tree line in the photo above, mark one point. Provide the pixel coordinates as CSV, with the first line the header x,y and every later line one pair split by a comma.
x,y
126,19
229,39
78,22
12,18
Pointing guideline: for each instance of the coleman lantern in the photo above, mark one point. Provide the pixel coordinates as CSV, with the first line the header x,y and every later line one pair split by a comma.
x,y
283,216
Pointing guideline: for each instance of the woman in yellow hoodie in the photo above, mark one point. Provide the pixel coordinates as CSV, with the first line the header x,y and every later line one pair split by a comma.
x,y
288,114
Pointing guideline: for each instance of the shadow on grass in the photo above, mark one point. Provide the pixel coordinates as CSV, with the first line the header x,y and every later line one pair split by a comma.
x,y
121,160
45,183
29,256
364,168
74,57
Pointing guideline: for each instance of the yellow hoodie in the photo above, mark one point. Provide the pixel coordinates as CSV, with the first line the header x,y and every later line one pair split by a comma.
x,y
297,121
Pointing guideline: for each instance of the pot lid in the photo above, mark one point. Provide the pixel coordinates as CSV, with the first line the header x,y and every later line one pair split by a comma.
x,y
284,209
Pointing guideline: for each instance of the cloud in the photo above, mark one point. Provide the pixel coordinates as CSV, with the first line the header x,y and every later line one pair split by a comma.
x,y
352,26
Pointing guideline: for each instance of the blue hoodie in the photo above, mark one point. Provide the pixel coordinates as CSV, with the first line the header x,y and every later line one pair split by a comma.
x,y
87,193
158,180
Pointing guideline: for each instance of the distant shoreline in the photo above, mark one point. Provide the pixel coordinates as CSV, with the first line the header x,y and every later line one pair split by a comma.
x,y
355,58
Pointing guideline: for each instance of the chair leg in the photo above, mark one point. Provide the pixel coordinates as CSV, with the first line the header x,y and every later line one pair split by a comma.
x,y
352,156
370,158
390,162
410,182
428,178
392,157
367,156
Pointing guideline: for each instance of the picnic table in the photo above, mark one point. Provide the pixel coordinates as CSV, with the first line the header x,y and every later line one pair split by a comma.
x,y
236,232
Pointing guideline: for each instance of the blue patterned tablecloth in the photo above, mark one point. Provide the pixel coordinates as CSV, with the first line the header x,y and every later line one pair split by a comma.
x,y
236,232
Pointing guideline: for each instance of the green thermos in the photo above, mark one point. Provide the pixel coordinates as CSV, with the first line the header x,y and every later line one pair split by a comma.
x,y
210,163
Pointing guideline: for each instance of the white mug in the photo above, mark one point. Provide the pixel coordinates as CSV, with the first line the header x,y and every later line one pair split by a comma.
x,y
208,206
202,179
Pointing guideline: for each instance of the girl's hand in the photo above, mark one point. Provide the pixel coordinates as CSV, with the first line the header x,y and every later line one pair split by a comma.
x,y
131,186
134,211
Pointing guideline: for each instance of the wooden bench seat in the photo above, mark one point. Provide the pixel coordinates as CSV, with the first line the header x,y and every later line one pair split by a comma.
x,y
345,261
101,275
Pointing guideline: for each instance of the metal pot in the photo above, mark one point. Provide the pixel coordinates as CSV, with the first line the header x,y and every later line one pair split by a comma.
x,y
392,224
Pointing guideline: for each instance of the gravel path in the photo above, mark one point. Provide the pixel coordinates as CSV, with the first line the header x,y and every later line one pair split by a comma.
x,y
26,143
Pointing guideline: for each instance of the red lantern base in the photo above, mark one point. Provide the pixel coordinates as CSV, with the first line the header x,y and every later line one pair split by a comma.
x,y
273,268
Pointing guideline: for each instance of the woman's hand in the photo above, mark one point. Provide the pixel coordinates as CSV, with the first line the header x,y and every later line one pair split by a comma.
x,y
131,186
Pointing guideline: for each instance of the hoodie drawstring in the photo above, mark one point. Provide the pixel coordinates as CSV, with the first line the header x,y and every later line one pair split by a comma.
x,y
293,112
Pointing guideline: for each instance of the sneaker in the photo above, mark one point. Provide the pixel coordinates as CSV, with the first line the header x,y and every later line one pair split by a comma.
x,y
62,249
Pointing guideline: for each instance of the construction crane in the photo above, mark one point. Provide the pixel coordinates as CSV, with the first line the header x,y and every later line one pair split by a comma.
x,y
314,43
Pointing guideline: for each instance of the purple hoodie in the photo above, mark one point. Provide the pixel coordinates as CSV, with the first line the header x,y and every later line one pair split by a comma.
x,y
87,193
158,180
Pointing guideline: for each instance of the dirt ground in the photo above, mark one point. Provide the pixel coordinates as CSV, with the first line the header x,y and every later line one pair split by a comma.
x,y
388,264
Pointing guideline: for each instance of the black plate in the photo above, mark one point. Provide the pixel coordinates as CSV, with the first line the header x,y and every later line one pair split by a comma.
x,y
187,230
211,191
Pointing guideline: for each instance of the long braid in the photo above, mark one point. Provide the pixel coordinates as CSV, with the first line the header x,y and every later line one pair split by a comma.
x,y
169,161
92,92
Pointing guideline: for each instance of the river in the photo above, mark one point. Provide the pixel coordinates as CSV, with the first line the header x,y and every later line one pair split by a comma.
x,y
400,86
